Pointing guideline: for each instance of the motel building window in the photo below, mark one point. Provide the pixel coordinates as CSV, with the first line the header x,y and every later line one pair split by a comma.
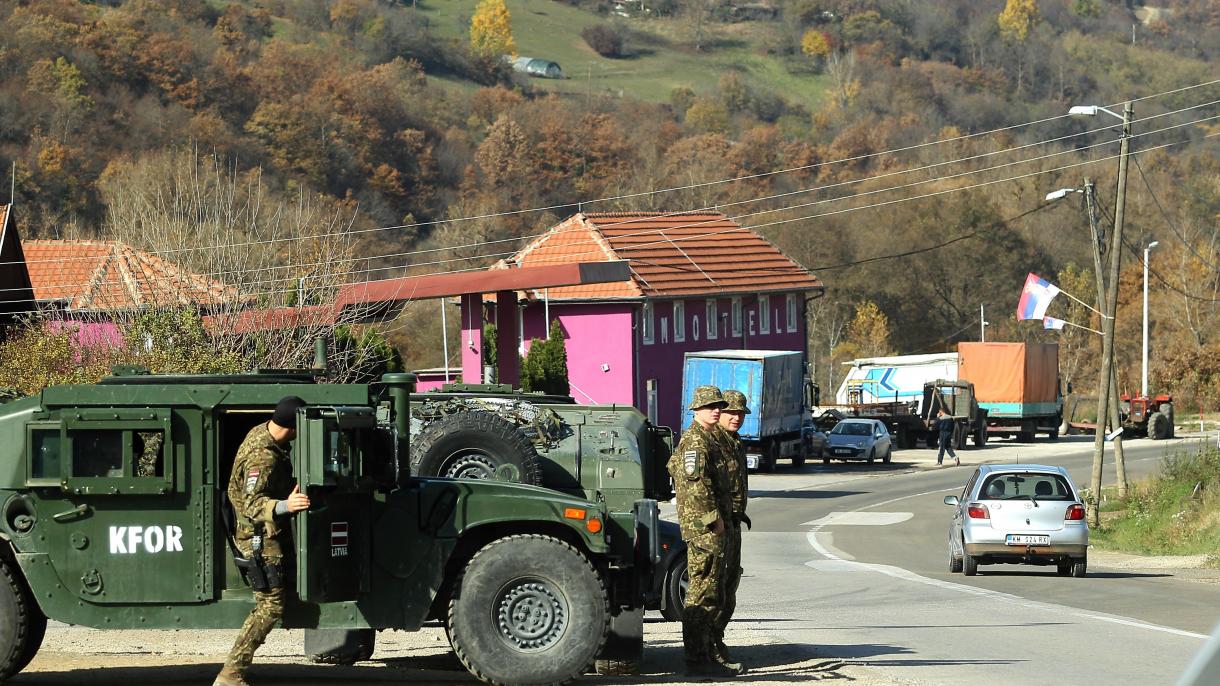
x,y
679,321
791,319
646,324
710,314
736,316
764,314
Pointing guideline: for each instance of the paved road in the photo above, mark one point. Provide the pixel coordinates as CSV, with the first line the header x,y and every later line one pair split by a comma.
x,y
851,561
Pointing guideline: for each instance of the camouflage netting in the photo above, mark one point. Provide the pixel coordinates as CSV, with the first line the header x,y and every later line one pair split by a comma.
x,y
542,426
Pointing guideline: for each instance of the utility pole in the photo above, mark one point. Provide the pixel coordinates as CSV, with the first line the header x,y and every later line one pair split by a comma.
x,y
1107,321
1090,196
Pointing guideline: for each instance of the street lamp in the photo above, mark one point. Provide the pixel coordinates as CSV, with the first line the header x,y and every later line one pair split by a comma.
x,y
1111,304
1144,368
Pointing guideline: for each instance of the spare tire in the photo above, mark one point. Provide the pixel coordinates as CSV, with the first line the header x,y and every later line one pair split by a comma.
x,y
474,445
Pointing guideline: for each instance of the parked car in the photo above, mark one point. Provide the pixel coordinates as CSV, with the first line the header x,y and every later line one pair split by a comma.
x,y
858,439
1018,514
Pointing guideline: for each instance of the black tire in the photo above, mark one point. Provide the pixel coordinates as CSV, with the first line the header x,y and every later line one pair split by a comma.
x,y
22,624
889,452
970,564
825,460
675,589
1080,567
1064,568
528,609
872,454
1167,410
624,650
955,563
980,436
1025,436
1053,434
473,445
798,461
1158,426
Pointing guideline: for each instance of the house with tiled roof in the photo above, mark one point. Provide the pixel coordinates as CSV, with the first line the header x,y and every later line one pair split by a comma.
x,y
108,276
699,281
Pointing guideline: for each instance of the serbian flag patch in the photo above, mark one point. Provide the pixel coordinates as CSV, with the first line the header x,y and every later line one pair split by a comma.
x,y
1035,297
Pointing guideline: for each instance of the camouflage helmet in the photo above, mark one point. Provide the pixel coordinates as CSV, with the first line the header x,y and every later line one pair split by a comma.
x,y
736,401
705,396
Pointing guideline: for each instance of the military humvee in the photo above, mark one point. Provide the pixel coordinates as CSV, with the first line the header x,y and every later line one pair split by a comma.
x,y
111,516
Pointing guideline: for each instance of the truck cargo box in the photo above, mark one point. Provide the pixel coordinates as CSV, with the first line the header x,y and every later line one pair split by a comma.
x,y
894,379
772,381
1012,379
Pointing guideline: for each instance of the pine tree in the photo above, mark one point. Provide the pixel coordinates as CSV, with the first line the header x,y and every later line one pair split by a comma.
x,y
491,31
545,367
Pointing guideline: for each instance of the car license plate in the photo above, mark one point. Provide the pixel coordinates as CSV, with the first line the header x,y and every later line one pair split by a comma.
x,y
751,462
1025,539
842,451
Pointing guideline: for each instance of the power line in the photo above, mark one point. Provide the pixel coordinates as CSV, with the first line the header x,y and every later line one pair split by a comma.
x,y
691,186
1165,215
813,216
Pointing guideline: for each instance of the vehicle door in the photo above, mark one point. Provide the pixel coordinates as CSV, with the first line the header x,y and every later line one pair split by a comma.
x,y
333,465
959,512
119,507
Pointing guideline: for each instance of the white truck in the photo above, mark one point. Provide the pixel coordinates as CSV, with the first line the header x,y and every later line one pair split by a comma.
x,y
894,379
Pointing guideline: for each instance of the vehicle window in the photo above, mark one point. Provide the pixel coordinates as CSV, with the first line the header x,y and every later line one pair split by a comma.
x,y
97,453
1026,486
44,458
148,451
851,429
970,485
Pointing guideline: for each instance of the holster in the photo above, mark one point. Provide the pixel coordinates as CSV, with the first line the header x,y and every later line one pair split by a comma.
x,y
260,574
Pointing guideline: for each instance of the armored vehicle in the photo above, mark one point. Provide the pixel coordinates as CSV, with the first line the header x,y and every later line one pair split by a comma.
x,y
112,515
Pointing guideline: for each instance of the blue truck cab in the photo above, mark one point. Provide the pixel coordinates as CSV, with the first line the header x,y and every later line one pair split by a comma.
x,y
778,392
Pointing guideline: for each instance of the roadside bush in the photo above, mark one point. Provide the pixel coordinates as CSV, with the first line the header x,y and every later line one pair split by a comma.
x,y
604,40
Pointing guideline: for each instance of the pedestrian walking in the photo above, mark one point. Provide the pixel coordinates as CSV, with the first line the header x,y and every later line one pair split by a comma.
x,y
944,427
264,495
704,511
731,419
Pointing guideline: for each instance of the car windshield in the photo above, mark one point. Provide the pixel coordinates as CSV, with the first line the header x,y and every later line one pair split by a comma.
x,y
1026,486
852,429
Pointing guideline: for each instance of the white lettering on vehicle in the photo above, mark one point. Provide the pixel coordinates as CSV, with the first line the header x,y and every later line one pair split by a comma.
x,y
127,540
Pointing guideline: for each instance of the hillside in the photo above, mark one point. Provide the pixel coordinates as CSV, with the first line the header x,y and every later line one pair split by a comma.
x,y
899,149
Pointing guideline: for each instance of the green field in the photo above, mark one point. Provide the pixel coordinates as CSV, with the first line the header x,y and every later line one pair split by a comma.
x,y
551,30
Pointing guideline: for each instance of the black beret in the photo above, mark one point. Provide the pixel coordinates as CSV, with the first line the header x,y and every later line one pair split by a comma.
x,y
286,411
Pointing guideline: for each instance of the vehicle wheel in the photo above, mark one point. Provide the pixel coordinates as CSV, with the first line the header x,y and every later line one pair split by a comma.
x,y
24,624
1158,426
1025,436
1079,567
528,609
872,455
889,452
825,460
1167,410
932,440
675,590
970,564
955,563
1053,434
473,445
980,436
1064,568
798,460
624,650
339,646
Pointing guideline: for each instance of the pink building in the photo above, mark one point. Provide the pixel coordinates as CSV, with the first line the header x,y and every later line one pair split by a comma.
x,y
698,281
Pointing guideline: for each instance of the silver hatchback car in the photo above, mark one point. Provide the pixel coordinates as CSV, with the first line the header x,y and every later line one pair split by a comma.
x,y
1018,514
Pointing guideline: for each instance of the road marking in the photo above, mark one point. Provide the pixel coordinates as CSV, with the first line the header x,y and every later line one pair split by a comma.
x,y
857,518
837,563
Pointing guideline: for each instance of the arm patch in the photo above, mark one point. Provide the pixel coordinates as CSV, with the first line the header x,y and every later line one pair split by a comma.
x,y
690,462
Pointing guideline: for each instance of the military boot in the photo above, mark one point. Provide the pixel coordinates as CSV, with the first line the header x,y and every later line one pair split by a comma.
x,y
230,677
720,653
712,668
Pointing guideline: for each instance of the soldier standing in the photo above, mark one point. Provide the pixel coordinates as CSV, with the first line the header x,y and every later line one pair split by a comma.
x,y
731,418
701,486
264,495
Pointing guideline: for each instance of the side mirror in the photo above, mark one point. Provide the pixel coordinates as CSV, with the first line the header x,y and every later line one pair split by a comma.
x,y
951,500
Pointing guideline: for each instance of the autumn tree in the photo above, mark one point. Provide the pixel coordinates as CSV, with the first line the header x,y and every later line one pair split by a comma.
x,y
1018,18
868,334
491,31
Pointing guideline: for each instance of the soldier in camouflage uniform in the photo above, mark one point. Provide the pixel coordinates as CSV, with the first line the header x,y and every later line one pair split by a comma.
x,y
701,486
150,452
731,418
264,492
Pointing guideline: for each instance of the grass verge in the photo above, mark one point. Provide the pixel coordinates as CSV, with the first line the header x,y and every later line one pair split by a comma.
x,y
1177,512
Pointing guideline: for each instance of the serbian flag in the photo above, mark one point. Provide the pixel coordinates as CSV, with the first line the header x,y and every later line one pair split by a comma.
x,y
1035,297
1052,323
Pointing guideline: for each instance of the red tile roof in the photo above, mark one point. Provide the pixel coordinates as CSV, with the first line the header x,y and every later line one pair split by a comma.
x,y
276,318
109,275
671,254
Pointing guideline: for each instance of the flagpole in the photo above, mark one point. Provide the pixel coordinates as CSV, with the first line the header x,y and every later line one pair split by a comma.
x,y
1083,303
1067,323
